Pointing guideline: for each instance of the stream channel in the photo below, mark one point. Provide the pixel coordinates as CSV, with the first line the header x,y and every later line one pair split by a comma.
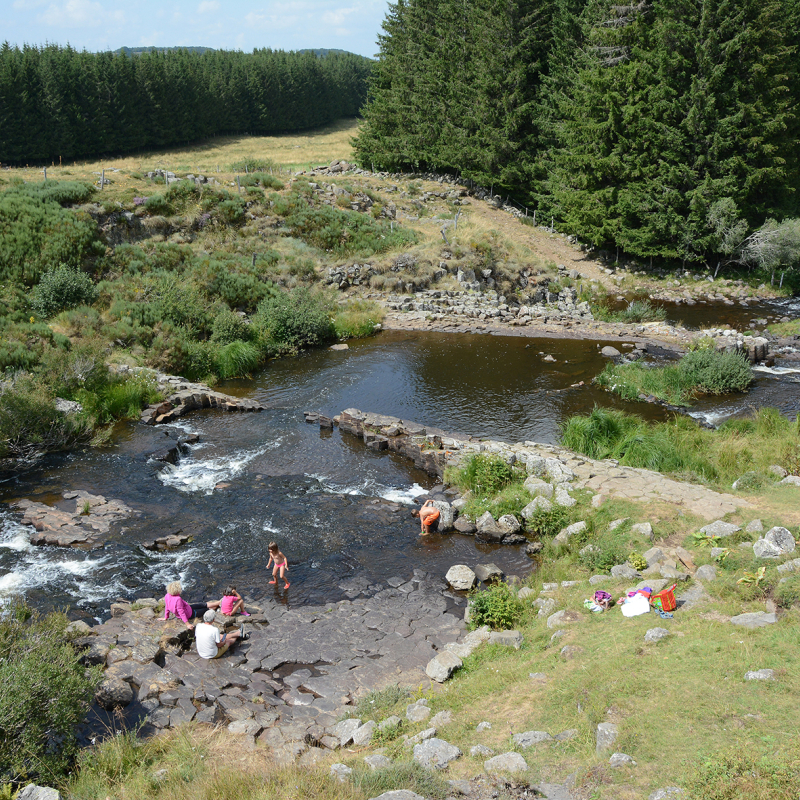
x,y
253,478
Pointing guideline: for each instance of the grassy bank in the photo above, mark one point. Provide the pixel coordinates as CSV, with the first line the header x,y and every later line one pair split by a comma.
x,y
737,449
704,371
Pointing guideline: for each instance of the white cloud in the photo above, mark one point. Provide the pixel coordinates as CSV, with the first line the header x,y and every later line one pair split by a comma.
x,y
208,6
336,17
79,14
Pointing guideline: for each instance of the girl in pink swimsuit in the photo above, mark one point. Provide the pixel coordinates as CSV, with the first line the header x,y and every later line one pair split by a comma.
x,y
281,565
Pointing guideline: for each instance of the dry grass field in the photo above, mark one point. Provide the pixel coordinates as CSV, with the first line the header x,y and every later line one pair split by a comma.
x,y
289,152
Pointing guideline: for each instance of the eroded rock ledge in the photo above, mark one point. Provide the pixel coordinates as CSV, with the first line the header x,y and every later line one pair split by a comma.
x,y
431,449
287,686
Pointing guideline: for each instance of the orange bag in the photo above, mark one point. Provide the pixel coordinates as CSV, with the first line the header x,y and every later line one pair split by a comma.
x,y
665,599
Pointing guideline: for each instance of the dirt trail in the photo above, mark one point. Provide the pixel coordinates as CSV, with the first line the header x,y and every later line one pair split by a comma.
x,y
548,246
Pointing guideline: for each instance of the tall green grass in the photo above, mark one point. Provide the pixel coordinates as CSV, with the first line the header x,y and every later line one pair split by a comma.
x,y
698,372
683,449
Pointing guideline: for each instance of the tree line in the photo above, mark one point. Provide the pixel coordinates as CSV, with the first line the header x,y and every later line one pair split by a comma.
x,y
57,102
666,128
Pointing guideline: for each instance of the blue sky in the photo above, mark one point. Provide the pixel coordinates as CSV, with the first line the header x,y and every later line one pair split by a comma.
x,y
224,24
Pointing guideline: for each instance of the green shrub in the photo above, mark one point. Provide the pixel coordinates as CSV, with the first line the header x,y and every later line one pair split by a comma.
x,y
236,360
787,592
637,561
36,233
60,288
44,694
181,302
486,474
290,321
120,398
640,311
605,551
158,206
179,195
509,500
231,211
61,192
714,372
544,524
497,607
261,179
229,327
30,425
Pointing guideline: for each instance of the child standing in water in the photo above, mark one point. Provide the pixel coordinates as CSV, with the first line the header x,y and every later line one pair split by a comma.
x,y
280,564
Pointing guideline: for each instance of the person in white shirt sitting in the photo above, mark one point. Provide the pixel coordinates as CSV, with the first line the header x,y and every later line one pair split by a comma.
x,y
210,642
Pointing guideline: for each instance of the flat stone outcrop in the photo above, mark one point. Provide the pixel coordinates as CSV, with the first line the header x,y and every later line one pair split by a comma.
x,y
59,525
288,685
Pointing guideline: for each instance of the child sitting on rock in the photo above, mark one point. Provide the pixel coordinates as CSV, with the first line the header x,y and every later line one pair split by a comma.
x,y
232,602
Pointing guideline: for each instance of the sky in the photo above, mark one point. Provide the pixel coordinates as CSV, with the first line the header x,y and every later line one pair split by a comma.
x,y
222,24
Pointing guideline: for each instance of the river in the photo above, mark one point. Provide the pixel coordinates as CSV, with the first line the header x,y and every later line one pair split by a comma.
x,y
253,478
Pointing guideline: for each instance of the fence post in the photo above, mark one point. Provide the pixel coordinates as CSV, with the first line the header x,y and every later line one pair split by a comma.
x,y
239,184
103,180
45,174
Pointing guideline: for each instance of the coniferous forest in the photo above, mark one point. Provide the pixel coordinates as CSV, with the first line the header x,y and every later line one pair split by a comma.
x,y
664,127
57,102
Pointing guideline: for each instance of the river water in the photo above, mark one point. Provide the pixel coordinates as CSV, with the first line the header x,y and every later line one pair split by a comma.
x,y
254,478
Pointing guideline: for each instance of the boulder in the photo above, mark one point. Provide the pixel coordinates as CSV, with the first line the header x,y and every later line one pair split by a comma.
x,y
435,753
480,750
525,592
605,736
656,635
720,528
447,516
442,667
398,794
341,771
506,638
782,539
764,549
624,571
418,712
564,498
621,760
667,793
610,352
791,480
377,761
465,526
538,487
566,533
441,719
760,675
653,556
389,722
114,693
511,763
643,529
488,572
363,735
754,526
483,726
508,523
755,619
531,738
34,792
708,572
461,578
538,504
345,729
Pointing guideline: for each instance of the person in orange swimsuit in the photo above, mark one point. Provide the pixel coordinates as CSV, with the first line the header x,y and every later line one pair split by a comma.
x,y
281,565
428,517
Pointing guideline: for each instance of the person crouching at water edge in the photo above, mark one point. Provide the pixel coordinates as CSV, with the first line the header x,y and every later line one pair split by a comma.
x,y
428,517
281,565
175,604
210,642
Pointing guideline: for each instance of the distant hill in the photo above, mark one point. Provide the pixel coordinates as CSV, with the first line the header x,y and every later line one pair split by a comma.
x,y
136,51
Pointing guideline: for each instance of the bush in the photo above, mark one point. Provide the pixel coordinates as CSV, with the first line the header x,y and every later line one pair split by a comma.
x,y
606,551
30,425
548,523
640,311
231,211
261,179
253,164
60,288
289,321
510,500
496,607
158,206
714,372
229,327
787,592
486,475
44,693
36,233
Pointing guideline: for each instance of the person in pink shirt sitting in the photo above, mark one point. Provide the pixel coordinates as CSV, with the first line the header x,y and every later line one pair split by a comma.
x,y
232,602
175,604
